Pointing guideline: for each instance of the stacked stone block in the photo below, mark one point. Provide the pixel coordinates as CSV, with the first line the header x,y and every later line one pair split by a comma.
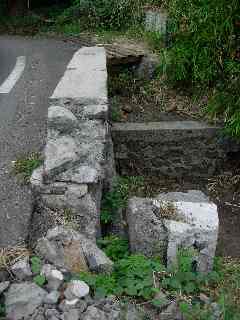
x,y
78,153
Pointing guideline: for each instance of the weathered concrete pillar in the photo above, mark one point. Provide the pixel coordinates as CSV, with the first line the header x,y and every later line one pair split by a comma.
x,y
156,20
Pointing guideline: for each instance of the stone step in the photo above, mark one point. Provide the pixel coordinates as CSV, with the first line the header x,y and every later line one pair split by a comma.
x,y
170,148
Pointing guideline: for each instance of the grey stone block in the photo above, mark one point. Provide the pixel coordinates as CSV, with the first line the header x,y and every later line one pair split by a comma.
x,y
68,249
189,196
61,119
147,233
156,20
53,276
60,153
94,313
162,226
72,314
52,297
82,174
23,299
76,289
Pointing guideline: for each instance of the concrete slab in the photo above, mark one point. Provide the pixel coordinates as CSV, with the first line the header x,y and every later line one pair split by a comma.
x,y
85,80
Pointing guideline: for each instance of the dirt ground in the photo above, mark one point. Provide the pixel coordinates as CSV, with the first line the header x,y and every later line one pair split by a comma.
x,y
137,100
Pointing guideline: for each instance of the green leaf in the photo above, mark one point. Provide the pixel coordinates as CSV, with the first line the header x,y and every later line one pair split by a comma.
x,y
39,280
36,264
159,302
190,287
184,307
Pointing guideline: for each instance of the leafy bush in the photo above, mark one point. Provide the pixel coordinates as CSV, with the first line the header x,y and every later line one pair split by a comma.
x,y
184,279
2,310
196,312
112,201
132,276
114,247
107,14
203,37
204,52
226,101
36,266
117,198
141,278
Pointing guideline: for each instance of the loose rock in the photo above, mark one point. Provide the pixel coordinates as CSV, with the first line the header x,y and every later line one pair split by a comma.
x,y
172,312
94,313
66,305
21,269
52,297
61,119
23,299
53,276
76,289
72,314
70,250
3,286
52,314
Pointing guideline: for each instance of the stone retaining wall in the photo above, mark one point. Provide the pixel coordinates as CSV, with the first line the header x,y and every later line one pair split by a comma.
x,y
172,149
78,156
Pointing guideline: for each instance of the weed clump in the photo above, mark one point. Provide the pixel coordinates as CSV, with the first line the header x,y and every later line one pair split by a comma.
x,y
25,166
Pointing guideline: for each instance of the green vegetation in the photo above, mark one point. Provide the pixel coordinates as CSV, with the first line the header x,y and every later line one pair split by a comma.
x,y
24,167
228,289
111,14
2,311
132,277
114,247
39,280
140,279
117,198
36,266
204,52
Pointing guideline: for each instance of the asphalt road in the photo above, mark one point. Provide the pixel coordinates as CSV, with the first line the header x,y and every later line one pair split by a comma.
x,y
23,114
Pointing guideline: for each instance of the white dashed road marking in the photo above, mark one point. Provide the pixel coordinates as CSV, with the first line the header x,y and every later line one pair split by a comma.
x,y
14,76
